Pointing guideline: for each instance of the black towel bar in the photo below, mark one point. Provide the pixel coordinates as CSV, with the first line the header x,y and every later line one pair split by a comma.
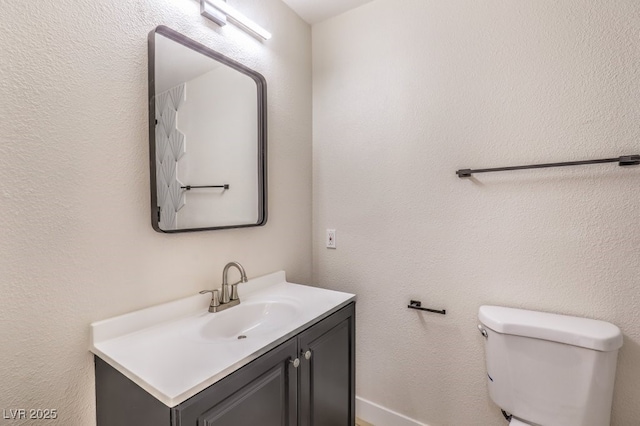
x,y
625,160
190,187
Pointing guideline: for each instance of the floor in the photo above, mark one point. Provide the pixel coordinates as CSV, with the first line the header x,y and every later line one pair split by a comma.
x,y
362,423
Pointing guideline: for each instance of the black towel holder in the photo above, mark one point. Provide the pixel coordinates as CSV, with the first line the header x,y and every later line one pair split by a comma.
x,y
625,160
416,304
190,187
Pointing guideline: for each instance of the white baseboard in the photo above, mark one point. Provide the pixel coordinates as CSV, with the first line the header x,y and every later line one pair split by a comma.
x,y
377,415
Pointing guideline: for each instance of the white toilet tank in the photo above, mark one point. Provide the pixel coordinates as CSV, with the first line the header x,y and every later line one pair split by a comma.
x,y
548,369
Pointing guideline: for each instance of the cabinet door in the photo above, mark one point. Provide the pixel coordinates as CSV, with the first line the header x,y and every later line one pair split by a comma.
x,y
327,378
260,393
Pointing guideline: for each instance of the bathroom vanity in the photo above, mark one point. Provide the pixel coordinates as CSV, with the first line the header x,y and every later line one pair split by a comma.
x,y
284,356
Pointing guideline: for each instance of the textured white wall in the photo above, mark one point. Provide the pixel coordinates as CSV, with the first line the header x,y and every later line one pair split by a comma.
x,y
76,243
405,93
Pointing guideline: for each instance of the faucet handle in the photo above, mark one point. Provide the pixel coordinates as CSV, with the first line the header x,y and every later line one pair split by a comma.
x,y
215,299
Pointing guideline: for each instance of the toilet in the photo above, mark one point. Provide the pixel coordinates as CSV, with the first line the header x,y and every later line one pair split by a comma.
x,y
550,370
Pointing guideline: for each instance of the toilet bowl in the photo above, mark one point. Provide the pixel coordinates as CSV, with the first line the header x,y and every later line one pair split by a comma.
x,y
516,422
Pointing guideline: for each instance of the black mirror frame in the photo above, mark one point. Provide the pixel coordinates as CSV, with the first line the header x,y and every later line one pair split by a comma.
x,y
261,84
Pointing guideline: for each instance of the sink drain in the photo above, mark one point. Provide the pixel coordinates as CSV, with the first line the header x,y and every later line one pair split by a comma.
x,y
242,336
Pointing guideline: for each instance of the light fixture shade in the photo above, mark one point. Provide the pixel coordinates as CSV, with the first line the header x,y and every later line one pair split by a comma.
x,y
219,12
212,13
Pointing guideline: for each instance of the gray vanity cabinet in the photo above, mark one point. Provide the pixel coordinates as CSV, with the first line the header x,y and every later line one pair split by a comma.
x,y
272,390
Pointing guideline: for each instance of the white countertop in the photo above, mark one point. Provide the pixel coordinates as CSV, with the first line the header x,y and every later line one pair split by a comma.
x,y
161,350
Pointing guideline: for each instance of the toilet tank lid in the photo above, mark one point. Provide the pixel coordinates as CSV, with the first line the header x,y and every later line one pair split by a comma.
x,y
583,332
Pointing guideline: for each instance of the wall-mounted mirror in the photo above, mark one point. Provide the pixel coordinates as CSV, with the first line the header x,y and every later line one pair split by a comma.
x,y
207,137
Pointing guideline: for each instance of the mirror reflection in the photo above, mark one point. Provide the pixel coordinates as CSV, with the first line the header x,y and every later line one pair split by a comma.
x,y
207,137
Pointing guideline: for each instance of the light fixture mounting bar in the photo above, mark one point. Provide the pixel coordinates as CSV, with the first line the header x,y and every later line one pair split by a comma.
x,y
220,12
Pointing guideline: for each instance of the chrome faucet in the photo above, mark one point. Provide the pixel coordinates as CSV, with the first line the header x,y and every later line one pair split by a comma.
x,y
234,287
226,300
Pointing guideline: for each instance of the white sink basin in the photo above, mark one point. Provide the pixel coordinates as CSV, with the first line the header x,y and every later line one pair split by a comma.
x,y
177,349
249,319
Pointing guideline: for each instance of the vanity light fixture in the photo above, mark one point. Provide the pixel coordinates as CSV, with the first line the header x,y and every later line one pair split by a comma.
x,y
219,11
